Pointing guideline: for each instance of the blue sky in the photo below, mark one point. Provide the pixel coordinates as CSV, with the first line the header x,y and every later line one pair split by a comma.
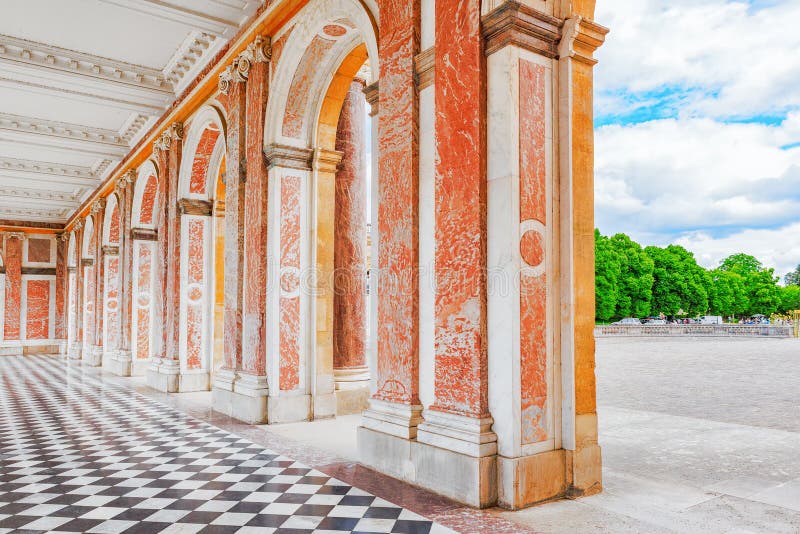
x,y
698,126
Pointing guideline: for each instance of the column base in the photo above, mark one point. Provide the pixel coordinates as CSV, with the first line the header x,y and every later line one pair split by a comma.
x,y
530,480
352,390
119,363
465,435
585,464
392,418
289,408
63,347
162,375
93,355
75,351
139,367
243,397
467,479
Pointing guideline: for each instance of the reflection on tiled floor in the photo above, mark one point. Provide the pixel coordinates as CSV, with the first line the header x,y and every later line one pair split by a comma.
x,y
78,454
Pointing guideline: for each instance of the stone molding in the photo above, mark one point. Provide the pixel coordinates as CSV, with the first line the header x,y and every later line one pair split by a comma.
x,y
111,250
425,68
327,160
192,206
144,234
15,235
38,271
516,24
289,157
581,37
87,261
372,94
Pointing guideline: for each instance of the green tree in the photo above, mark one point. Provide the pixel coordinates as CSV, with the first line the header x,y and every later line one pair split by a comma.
x,y
726,294
679,282
790,298
635,288
741,264
763,292
793,278
606,277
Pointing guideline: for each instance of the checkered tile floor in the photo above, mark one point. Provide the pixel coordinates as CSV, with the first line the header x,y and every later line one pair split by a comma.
x,y
81,455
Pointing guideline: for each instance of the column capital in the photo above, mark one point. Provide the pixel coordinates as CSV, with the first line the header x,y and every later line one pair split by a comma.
x,y
163,143
63,236
289,156
326,160
98,205
78,225
15,235
581,37
514,23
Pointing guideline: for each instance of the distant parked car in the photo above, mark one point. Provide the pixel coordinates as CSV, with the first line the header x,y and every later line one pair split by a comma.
x,y
655,321
629,320
711,319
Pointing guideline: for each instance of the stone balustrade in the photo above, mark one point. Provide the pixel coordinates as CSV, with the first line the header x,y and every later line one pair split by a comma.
x,y
712,330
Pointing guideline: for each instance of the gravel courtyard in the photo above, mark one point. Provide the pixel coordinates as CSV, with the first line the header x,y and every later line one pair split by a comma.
x,y
698,435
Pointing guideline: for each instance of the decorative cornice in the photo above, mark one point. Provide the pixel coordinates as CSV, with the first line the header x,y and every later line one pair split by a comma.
x,y
580,39
425,68
41,194
57,169
289,157
190,52
190,206
41,214
516,24
65,130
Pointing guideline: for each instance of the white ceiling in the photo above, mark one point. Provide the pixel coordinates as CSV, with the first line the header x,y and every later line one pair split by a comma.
x,y
82,80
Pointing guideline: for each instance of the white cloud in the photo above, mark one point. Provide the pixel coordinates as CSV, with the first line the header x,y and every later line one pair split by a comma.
x,y
675,175
777,248
741,60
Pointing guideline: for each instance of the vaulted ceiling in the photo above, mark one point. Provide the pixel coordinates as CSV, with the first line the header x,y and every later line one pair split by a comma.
x,y
82,80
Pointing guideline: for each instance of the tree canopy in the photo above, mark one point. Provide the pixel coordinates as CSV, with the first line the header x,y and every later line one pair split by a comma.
x,y
632,281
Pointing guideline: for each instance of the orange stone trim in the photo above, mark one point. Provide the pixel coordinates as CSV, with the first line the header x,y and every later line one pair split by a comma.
x,y
516,24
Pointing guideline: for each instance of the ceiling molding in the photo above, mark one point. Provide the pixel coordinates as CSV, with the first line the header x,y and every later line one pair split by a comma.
x,y
33,214
44,171
107,100
60,135
53,58
188,17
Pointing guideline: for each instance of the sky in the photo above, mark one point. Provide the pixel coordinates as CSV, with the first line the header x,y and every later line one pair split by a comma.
x,y
697,126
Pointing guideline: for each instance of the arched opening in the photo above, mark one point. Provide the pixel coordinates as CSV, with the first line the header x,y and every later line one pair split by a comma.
x,y
201,182
144,311
111,279
316,138
88,285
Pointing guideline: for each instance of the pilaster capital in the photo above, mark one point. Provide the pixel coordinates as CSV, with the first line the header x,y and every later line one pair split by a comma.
x,y
163,142
259,51
225,80
327,160
372,94
15,235
514,23
580,38
289,156
98,205
78,225
176,130
63,236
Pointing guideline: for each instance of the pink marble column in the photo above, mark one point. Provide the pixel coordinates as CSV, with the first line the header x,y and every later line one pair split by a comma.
x,y
234,225
13,264
350,242
76,348
161,259
395,407
126,254
461,381
98,287
61,289
255,228
172,299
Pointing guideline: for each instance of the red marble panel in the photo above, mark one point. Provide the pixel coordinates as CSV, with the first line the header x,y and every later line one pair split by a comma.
x,y
533,278
290,284
113,229
13,306
143,299
461,381
148,200
277,48
299,92
195,293
37,314
39,250
111,301
398,209
88,304
350,235
202,158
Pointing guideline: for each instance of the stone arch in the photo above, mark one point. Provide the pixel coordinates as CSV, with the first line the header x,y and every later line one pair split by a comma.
x,y
315,60
112,276
145,332
87,248
311,52
111,226
89,283
72,291
198,185
145,197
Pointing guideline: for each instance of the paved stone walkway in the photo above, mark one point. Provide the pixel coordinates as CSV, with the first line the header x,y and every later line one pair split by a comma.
x,y
698,435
